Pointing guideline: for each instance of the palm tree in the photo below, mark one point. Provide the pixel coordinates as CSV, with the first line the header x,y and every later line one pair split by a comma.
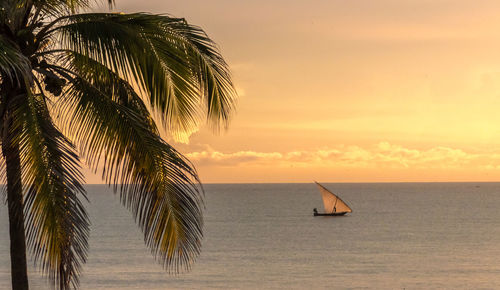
x,y
87,88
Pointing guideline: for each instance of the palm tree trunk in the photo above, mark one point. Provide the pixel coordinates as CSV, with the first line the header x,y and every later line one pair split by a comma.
x,y
10,151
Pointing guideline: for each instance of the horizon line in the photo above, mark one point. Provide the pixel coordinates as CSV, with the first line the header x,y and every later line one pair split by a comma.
x,y
340,182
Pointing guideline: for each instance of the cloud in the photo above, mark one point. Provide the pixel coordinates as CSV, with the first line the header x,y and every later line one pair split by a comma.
x,y
218,158
381,155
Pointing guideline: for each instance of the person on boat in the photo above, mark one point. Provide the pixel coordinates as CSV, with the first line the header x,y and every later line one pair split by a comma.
x,y
315,211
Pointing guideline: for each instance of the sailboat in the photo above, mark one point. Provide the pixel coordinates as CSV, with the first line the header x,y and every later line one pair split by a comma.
x,y
334,206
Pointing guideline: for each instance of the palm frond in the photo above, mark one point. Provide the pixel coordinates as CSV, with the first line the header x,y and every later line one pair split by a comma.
x,y
57,8
156,182
174,63
56,222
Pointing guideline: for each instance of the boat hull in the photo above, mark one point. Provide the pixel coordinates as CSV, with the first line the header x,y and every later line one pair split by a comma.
x,y
330,214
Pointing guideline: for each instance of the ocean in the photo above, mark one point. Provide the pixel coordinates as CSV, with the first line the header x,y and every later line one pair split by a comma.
x,y
264,236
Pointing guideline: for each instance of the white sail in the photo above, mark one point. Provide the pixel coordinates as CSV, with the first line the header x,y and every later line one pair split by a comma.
x,y
332,202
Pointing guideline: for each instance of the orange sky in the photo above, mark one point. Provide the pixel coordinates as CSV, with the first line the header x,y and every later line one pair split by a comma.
x,y
353,91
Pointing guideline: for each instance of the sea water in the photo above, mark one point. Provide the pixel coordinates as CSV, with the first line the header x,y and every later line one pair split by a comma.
x,y
264,236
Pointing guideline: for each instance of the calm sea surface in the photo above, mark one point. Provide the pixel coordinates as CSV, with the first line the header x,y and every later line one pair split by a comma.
x,y
263,236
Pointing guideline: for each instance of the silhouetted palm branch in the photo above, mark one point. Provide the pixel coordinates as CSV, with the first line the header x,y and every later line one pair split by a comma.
x,y
103,77
57,224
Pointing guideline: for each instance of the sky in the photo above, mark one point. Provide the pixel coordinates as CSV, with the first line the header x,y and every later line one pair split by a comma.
x,y
350,91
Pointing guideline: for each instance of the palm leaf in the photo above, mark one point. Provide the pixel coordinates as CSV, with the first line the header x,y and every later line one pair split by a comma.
x,y
156,182
57,225
175,63
56,8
